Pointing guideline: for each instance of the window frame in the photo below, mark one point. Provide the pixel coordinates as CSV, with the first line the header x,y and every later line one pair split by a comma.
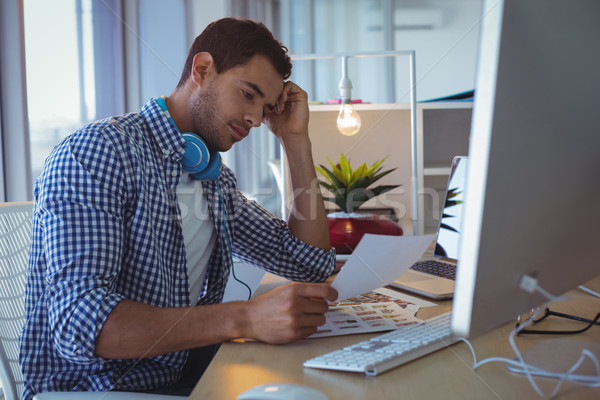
x,y
14,126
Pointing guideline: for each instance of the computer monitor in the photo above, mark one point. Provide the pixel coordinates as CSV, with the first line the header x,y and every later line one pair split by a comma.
x,y
533,184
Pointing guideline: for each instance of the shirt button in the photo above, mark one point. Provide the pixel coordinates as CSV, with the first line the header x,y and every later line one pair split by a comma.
x,y
166,152
182,275
174,173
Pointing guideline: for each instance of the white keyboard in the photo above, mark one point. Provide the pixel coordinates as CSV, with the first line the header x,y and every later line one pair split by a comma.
x,y
389,350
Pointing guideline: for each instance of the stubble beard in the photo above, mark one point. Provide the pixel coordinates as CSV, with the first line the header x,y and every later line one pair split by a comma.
x,y
207,119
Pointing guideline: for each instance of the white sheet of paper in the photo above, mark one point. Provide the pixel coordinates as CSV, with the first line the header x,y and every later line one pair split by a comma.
x,y
377,261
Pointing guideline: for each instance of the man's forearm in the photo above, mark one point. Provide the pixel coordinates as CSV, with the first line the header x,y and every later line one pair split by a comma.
x,y
137,330
285,314
307,219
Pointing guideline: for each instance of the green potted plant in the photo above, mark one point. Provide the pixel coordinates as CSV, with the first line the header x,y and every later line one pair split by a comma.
x,y
350,189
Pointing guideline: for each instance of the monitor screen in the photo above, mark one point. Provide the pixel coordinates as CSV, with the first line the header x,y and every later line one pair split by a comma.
x,y
533,182
448,238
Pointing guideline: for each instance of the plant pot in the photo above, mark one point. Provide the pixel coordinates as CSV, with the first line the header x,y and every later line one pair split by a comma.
x,y
346,230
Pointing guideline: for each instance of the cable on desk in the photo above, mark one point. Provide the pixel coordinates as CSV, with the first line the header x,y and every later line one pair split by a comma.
x,y
585,380
588,291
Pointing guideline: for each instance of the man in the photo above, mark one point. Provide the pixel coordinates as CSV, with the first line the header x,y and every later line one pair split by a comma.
x,y
125,276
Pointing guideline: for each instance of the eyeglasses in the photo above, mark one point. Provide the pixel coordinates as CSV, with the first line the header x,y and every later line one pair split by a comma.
x,y
548,313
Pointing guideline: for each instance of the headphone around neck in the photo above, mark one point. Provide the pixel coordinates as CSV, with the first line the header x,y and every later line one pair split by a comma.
x,y
201,163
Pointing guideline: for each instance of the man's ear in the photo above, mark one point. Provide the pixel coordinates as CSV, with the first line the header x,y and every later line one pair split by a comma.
x,y
202,65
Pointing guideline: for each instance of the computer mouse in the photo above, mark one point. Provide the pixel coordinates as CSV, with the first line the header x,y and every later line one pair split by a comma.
x,y
282,391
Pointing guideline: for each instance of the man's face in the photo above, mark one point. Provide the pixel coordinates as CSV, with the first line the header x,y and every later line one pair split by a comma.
x,y
224,110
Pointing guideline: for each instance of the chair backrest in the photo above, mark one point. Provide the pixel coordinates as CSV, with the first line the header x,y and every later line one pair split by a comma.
x,y
15,236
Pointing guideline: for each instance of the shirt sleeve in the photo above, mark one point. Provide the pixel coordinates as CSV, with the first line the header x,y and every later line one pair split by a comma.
x,y
82,222
264,240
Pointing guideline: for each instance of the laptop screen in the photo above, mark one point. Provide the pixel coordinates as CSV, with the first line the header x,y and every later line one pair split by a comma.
x,y
449,231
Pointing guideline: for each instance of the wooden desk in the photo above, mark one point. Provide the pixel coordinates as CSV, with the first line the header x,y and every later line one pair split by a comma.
x,y
446,374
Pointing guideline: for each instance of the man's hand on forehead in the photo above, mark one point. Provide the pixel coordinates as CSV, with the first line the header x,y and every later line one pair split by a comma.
x,y
289,116
283,98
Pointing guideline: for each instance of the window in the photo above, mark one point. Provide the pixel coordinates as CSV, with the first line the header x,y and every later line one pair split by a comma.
x,y
14,159
444,34
74,68
78,69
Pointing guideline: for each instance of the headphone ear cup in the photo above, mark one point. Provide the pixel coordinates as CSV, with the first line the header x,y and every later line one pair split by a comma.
x,y
198,160
212,170
196,157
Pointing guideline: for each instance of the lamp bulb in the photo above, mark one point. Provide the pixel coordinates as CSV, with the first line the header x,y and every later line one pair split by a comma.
x,y
348,120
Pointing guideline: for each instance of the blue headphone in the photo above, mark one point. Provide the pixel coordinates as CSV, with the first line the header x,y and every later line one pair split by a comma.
x,y
201,163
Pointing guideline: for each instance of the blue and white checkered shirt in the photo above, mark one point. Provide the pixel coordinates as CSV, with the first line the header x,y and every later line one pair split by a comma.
x,y
106,227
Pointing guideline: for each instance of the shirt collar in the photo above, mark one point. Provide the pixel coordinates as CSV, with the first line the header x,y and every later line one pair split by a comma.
x,y
167,136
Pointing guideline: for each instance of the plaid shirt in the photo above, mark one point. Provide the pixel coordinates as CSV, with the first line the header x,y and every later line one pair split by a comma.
x,y
106,227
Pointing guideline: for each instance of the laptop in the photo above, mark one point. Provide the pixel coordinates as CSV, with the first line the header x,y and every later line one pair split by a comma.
x,y
434,274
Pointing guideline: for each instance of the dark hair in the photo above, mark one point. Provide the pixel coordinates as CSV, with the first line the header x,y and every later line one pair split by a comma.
x,y
234,41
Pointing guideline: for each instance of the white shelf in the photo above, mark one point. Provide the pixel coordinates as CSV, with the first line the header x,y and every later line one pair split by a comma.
x,y
436,169
361,106
450,105
446,105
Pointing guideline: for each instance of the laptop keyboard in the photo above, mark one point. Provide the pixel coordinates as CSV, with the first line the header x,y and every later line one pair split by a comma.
x,y
437,268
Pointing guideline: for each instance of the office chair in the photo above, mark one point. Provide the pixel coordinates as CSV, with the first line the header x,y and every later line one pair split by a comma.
x,y
15,235
15,231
